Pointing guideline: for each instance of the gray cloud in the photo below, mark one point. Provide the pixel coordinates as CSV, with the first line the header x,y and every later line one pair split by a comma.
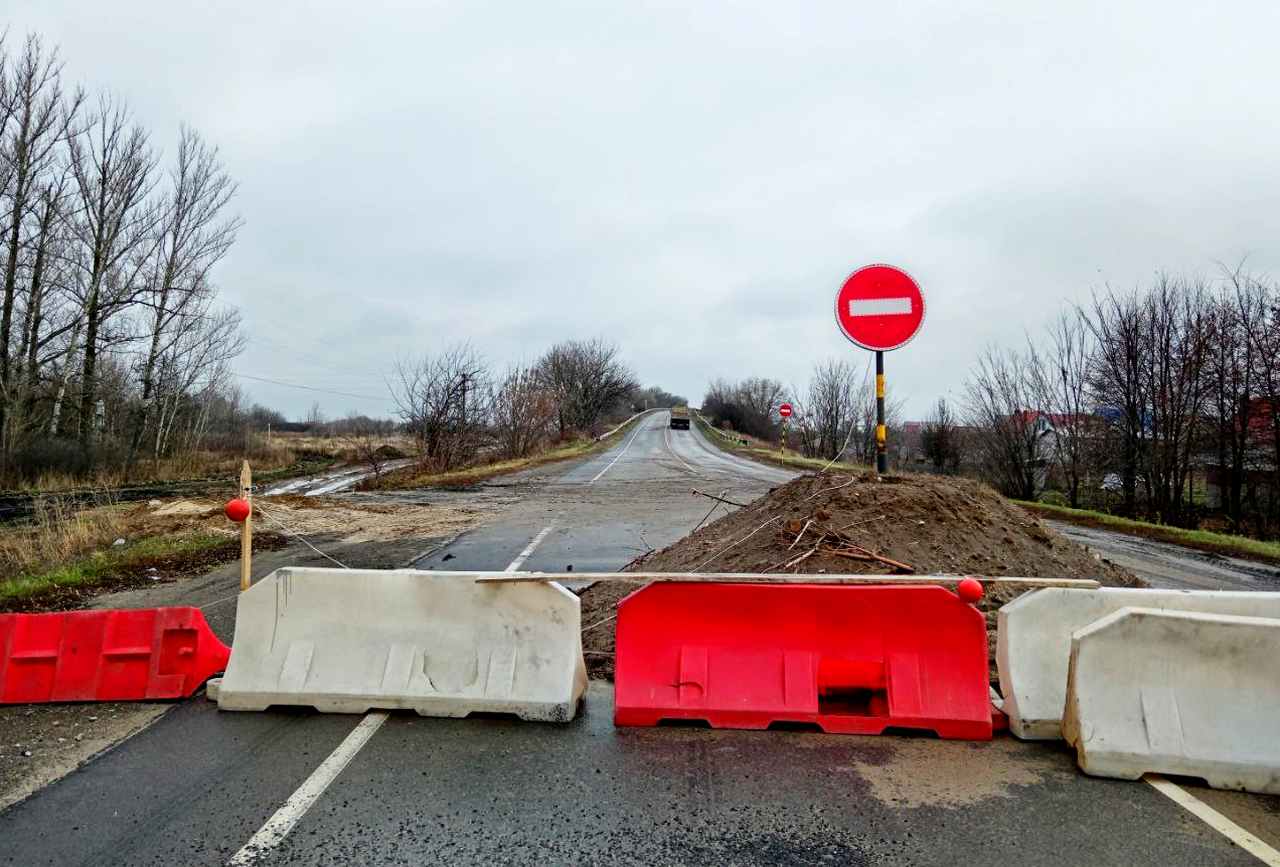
x,y
694,182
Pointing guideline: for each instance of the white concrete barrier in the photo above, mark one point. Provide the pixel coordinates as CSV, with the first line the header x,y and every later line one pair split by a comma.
x,y
1033,643
348,640
1177,692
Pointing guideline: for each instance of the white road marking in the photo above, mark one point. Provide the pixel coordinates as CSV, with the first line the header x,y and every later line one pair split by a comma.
x,y
1215,820
625,448
879,306
515,564
277,828
666,438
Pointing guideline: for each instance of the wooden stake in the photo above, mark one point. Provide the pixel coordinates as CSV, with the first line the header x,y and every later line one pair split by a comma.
x,y
246,531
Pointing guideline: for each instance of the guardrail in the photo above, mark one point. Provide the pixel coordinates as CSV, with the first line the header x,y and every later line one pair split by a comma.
x,y
726,437
624,424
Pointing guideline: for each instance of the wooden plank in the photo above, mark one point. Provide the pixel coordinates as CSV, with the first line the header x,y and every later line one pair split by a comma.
x,y
752,578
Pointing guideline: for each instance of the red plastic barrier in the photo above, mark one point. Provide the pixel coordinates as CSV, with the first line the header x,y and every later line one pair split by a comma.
x,y
148,653
852,659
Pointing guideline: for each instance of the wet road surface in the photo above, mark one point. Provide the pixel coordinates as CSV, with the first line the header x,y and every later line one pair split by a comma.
x,y
1173,566
197,785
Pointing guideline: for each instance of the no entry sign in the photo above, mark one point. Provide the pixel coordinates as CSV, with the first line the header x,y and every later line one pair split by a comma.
x,y
880,307
785,410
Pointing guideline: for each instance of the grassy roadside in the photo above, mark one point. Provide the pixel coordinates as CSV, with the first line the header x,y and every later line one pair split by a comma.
x,y
1201,540
150,559
757,451
412,477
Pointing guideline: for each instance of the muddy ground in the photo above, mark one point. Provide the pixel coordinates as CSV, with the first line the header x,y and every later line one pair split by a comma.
x,y
40,743
861,525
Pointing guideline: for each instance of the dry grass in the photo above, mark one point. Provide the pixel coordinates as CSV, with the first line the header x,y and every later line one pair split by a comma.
x,y
196,465
59,532
1202,540
417,477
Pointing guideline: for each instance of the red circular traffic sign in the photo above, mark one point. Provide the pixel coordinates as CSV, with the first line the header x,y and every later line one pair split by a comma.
x,y
880,307
785,410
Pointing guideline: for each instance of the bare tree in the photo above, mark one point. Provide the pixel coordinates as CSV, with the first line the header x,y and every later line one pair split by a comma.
x,y
1259,302
193,235
1061,388
941,438
1229,382
587,378
366,440
1176,334
442,399
524,412
748,406
28,148
829,410
1116,322
111,164
194,369
1010,431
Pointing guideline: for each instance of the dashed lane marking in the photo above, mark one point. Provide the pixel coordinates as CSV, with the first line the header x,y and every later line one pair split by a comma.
x,y
639,429
666,438
277,828
529,549
1215,820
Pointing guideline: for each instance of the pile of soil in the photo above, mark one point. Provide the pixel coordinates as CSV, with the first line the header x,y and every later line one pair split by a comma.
x,y
863,525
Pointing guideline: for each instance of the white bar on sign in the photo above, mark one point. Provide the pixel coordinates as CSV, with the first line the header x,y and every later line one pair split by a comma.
x,y
879,306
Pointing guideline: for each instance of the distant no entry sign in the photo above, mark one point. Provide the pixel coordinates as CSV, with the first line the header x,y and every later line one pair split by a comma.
x,y
785,410
880,307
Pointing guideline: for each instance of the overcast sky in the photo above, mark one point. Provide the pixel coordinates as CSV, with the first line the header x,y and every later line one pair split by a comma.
x,y
695,180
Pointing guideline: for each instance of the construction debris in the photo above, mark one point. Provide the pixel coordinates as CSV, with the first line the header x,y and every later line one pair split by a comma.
x,y
835,523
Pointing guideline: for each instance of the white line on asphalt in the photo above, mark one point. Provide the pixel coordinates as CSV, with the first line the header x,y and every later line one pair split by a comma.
x,y
625,448
666,438
528,550
277,828
1215,820
272,834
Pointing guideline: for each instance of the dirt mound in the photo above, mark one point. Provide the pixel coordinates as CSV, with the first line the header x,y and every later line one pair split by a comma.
x,y
918,524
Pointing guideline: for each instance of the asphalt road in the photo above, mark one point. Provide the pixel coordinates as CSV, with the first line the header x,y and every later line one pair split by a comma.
x,y
1173,566
194,787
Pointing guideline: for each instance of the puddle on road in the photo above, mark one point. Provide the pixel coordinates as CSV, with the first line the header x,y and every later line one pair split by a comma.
x,y
931,773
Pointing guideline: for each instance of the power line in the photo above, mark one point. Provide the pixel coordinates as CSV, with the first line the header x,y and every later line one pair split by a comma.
x,y
309,387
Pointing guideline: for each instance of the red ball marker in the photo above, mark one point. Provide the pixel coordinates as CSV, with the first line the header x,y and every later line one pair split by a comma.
x,y
237,510
969,590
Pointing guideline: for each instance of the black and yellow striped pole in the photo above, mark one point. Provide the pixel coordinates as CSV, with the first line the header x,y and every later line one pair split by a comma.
x,y
882,456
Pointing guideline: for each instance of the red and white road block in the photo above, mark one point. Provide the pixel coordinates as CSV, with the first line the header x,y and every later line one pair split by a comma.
x,y
438,643
142,654
1177,692
1033,644
850,659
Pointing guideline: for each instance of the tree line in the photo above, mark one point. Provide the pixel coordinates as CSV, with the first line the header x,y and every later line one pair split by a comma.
x,y
833,415
456,407
113,346
1137,390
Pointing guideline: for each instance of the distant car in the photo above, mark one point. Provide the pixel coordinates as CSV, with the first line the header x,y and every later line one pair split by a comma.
x,y
679,418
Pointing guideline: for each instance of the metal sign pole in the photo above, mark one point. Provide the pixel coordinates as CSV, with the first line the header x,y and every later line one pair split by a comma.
x,y
882,457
